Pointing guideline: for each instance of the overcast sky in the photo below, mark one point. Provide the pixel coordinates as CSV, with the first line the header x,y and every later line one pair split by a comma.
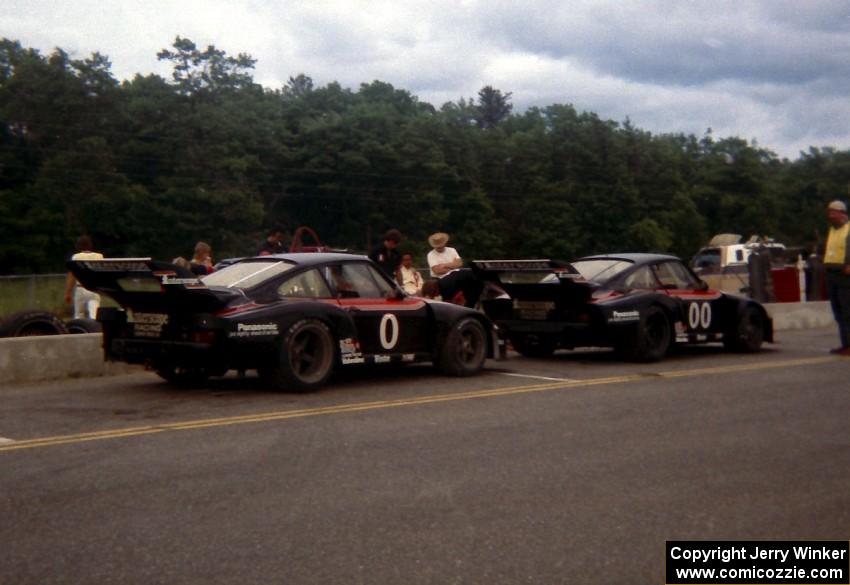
x,y
777,71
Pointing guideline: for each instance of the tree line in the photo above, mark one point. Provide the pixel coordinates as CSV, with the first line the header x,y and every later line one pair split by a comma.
x,y
149,166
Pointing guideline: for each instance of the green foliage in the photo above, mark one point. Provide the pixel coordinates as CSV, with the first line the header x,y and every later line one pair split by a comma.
x,y
211,70
493,107
149,166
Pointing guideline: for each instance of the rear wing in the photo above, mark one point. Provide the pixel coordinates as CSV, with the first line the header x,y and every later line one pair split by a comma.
x,y
492,269
109,274
535,280
143,283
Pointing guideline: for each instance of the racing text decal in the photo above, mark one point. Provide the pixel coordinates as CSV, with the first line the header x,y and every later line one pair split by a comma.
x,y
699,315
388,340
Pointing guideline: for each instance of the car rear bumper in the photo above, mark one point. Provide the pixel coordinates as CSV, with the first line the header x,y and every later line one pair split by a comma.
x,y
568,333
139,351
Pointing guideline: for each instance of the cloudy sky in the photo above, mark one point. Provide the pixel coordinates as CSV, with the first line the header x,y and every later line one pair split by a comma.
x,y
777,71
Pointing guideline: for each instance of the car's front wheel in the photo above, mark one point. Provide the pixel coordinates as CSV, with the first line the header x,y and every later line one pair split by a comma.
x,y
748,335
464,350
306,357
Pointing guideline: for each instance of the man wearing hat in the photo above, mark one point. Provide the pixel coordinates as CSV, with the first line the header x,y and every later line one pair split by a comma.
x,y
442,260
445,265
836,260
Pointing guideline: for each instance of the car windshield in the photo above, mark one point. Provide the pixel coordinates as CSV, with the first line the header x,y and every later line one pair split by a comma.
x,y
601,269
246,274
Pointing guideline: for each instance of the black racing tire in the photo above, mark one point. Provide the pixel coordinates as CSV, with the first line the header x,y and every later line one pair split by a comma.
x,y
748,335
651,338
83,326
306,358
464,349
31,323
532,345
180,376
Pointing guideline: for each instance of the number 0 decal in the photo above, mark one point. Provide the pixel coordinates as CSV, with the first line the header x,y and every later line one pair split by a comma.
x,y
699,315
388,340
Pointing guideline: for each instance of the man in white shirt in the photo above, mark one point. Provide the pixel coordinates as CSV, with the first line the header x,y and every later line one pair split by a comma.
x,y
85,301
445,264
442,260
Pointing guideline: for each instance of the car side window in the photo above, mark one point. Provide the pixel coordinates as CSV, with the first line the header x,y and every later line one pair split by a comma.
x,y
357,281
384,287
674,276
308,284
642,278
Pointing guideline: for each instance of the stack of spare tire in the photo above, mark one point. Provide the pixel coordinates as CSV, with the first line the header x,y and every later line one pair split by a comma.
x,y
28,323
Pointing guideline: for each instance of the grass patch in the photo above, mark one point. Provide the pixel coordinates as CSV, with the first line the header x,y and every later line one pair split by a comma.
x,y
44,292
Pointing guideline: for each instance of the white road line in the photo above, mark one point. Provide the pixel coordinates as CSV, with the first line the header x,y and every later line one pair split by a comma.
x,y
4,440
540,377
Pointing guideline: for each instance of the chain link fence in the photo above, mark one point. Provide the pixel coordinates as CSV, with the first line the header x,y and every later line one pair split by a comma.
x,y
45,292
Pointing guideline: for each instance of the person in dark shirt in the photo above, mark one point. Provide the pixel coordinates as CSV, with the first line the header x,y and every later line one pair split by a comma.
x,y
273,243
387,255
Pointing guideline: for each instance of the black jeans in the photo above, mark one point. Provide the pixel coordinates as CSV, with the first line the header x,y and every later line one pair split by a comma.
x,y
838,287
461,280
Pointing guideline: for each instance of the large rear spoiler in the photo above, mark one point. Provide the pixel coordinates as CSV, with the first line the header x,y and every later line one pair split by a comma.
x,y
540,279
538,265
145,284
490,269
104,274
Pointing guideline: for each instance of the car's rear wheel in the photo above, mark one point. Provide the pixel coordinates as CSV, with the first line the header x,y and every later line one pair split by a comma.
x,y
464,350
532,345
306,358
748,335
651,338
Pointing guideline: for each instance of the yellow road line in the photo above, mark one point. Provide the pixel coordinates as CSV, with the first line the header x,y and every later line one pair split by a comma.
x,y
365,406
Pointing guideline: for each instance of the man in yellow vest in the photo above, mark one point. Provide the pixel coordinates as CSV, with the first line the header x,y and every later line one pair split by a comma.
x,y
836,260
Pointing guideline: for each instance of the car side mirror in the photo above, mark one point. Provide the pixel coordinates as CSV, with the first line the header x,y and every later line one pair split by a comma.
x,y
396,295
703,285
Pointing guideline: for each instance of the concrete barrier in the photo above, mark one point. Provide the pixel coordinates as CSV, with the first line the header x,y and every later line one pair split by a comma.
x,y
811,315
33,359
48,357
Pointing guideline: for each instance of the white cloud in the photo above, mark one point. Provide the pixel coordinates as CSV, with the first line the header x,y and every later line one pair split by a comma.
x,y
775,70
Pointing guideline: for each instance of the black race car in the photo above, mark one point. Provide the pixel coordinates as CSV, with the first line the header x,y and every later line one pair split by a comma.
x,y
639,304
293,317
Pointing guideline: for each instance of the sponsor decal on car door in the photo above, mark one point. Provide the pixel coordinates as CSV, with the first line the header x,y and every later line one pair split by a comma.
x,y
385,326
699,314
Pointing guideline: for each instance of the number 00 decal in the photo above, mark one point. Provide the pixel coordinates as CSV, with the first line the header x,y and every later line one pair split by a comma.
x,y
699,315
389,339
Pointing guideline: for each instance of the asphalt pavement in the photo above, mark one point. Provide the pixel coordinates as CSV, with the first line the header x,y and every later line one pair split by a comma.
x,y
573,469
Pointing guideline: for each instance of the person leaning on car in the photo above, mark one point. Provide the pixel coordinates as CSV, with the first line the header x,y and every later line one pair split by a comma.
x,y
836,260
446,265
